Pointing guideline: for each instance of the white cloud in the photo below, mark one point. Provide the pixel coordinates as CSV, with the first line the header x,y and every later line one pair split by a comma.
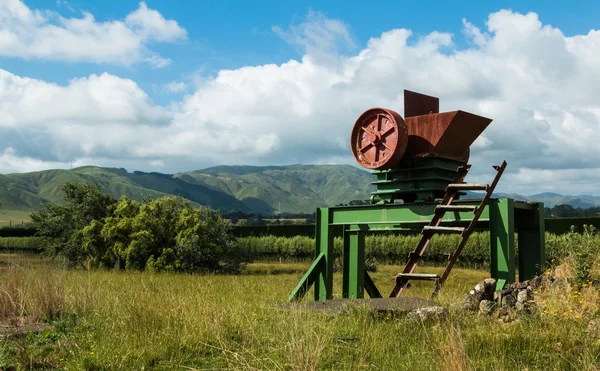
x,y
44,34
176,87
317,34
538,85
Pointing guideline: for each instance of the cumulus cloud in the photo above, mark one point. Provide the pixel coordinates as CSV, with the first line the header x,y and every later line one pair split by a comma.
x,y
43,34
537,84
318,33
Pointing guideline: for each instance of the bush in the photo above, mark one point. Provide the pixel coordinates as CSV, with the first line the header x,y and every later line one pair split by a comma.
x,y
166,234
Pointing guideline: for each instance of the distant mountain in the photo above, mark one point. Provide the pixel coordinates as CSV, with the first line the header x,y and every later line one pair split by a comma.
x,y
294,188
549,199
261,189
29,191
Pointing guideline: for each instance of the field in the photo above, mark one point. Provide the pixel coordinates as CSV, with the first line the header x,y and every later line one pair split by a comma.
x,y
16,216
128,320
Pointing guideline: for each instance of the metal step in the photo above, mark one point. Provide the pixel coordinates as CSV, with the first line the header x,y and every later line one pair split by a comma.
x,y
464,208
417,276
429,229
467,187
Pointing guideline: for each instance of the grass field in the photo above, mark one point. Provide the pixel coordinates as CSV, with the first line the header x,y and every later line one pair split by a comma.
x,y
15,215
127,320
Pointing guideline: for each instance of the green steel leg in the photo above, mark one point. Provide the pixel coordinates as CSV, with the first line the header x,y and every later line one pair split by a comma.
x,y
309,278
532,254
324,242
370,287
502,241
353,275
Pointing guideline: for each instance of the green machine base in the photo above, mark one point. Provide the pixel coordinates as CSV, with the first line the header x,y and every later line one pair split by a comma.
x,y
503,217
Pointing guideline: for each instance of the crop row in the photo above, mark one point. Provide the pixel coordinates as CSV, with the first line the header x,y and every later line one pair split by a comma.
x,y
389,249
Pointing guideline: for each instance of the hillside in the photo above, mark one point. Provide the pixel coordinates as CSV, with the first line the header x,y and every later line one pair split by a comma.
x,y
261,189
294,188
29,191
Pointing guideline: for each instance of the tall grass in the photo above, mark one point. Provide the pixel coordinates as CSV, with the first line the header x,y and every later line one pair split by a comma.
x,y
111,320
30,296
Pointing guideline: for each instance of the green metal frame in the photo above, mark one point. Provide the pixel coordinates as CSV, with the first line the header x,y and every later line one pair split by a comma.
x,y
417,179
503,217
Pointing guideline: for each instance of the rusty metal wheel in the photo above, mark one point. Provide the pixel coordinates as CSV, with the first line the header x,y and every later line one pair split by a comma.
x,y
379,139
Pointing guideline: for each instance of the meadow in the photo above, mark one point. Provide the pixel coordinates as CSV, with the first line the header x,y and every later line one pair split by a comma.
x,y
139,320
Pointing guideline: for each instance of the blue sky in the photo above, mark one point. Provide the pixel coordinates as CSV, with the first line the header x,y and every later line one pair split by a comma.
x,y
232,34
176,86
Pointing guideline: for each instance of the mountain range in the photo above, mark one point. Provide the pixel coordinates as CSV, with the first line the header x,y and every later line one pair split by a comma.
x,y
259,189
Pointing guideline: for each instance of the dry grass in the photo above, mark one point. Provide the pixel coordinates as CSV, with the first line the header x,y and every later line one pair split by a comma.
x,y
29,297
175,321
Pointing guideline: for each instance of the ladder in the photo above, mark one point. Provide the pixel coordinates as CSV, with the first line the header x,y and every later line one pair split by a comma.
x,y
434,227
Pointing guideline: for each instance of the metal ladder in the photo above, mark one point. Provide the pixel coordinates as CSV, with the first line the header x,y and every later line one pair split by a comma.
x,y
433,227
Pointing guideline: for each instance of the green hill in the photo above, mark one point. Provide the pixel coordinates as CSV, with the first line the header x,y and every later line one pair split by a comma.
x,y
296,188
263,189
29,191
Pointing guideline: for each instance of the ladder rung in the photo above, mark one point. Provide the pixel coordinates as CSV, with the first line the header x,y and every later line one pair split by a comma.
x,y
468,187
418,276
429,229
456,207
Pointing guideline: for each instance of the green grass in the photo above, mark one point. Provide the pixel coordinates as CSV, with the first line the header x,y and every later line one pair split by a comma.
x,y
129,320
16,216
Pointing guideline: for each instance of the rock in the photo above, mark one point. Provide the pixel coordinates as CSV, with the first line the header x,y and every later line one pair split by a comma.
x,y
484,290
486,307
426,314
508,300
471,303
520,306
489,288
523,295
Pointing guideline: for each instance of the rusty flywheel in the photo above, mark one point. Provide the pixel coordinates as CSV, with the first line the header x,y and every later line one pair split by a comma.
x,y
379,139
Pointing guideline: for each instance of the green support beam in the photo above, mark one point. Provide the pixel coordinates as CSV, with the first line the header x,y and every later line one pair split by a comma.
x,y
502,241
503,216
324,242
353,267
531,232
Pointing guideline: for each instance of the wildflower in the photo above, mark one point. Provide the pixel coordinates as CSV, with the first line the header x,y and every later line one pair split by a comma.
x,y
578,317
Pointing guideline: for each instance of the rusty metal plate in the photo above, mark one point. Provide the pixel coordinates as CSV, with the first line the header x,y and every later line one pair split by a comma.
x,y
417,104
446,134
379,139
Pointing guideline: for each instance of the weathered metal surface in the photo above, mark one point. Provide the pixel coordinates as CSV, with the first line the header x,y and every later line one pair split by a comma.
x,y
379,139
446,134
417,104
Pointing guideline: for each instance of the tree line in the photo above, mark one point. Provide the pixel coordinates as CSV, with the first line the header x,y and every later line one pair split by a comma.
x,y
568,211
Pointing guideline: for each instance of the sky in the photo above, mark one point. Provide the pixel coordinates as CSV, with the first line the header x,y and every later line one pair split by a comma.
x,y
177,86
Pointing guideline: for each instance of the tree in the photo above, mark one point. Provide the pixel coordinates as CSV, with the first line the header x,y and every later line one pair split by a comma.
x,y
164,234
62,225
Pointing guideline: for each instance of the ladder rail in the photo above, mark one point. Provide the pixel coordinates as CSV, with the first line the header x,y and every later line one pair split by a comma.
x,y
471,227
417,254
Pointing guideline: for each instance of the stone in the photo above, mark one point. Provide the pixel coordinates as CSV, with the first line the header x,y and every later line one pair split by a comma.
x,y
520,306
486,307
508,300
501,312
426,314
471,302
523,295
